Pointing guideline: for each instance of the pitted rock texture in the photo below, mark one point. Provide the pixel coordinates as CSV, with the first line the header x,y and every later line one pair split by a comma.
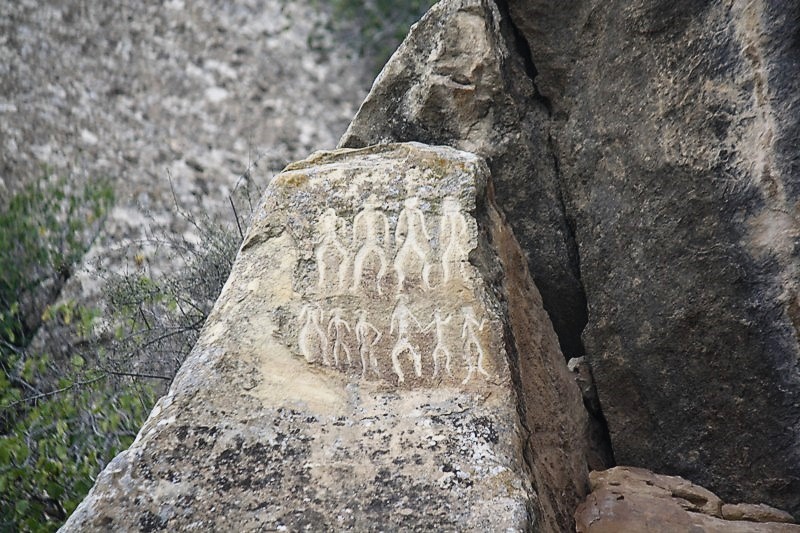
x,y
676,128
634,500
363,369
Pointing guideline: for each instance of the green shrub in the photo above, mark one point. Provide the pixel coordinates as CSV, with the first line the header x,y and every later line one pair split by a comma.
x,y
60,421
44,232
62,418
56,446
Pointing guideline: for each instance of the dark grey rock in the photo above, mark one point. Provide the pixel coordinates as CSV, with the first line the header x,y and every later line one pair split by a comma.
x,y
678,126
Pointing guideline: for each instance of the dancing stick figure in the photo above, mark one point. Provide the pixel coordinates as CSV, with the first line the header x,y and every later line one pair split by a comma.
x,y
412,233
400,319
472,345
312,336
339,326
375,227
330,245
441,346
453,230
365,331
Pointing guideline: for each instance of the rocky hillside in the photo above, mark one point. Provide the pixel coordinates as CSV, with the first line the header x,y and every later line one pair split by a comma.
x,y
188,95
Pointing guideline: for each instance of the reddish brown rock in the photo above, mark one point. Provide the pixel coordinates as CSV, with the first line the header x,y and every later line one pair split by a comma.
x,y
755,513
634,500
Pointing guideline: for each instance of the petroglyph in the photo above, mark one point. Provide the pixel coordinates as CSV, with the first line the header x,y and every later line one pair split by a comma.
x,y
338,326
400,322
413,235
411,230
312,339
367,337
473,350
453,231
330,253
374,226
441,343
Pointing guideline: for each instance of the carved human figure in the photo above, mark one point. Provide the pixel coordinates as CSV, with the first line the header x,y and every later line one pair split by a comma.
x,y
401,322
371,228
412,240
441,344
367,337
331,253
473,350
312,339
454,235
339,328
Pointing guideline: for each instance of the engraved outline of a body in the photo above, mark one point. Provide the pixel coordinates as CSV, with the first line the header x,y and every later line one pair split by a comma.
x,y
453,224
311,329
338,325
411,222
371,219
330,240
471,340
441,345
365,347
400,317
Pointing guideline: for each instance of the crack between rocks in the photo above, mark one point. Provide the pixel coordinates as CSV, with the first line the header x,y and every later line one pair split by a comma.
x,y
523,49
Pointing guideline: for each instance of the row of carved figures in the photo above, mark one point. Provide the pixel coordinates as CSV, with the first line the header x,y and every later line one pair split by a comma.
x,y
371,237
315,339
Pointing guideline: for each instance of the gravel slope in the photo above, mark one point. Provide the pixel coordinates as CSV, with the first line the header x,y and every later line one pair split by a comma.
x,y
193,91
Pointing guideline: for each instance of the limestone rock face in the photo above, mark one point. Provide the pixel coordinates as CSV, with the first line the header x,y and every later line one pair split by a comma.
x,y
458,80
676,127
378,360
634,500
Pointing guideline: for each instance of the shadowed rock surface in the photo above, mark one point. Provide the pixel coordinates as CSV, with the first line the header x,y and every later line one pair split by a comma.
x,y
378,360
677,127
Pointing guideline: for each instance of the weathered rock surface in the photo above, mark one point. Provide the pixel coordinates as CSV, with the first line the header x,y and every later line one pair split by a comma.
x,y
378,360
676,128
634,500
458,80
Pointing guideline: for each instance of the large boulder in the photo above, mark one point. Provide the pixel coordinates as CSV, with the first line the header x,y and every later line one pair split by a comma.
x,y
677,128
379,359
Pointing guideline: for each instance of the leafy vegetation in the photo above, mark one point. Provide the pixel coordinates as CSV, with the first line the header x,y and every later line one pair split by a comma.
x,y
55,420
65,413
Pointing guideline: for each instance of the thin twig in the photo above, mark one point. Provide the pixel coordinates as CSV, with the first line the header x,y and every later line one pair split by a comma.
x,y
53,393
236,217
138,375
